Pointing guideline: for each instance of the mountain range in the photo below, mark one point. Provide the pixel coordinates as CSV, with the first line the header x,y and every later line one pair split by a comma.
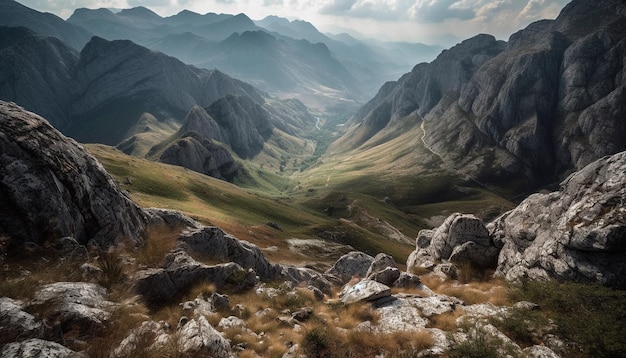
x,y
522,113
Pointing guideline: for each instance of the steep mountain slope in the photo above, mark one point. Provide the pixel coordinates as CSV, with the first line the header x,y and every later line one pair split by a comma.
x,y
547,102
36,72
119,92
14,14
101,93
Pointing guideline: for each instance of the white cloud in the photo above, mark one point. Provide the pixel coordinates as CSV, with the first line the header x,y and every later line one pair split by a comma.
x,y
409,20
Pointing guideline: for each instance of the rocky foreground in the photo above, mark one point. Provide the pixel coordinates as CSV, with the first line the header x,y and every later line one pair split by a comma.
x,y
206,293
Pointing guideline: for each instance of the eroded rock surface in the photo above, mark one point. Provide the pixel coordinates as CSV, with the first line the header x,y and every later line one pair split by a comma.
x,y
50,187
577,233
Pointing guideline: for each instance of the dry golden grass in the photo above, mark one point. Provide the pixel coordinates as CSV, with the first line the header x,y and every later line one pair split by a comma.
x,y
446,321
159,241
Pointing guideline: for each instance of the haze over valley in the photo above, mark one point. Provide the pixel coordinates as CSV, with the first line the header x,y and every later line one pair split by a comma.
x,y
221,186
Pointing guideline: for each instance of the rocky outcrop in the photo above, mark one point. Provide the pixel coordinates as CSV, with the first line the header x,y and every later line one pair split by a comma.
x,y
199,337
77,306
460,239
214,244
577,233
37,348
16,323
202,155
525,113
181,271
353,264
50,187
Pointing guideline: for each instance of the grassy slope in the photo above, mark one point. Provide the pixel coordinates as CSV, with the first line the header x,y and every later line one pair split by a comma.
x,y
375,198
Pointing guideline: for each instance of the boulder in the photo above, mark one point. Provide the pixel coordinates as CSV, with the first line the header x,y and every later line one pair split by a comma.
x,y
77,306
460,239
213,243
37,348
365,290
181,271
16,323
198,337
155,333
53,188
387,276
408,280
576,233
380,263
350,265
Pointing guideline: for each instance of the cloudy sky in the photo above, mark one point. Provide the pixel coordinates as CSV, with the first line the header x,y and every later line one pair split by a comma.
x,y
428,21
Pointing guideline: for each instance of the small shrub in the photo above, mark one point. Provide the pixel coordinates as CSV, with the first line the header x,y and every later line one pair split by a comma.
x,y
592,316
112,269
317,343
475,348
522,326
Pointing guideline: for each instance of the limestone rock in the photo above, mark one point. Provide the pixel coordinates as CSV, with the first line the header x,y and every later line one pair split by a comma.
x,y
37,348
16,323
352,264
215,244
180,271
387,276
52,188
461,239
539,352
576,233
78,306
172,218
408,280
198,337
365,290
154,332
381,262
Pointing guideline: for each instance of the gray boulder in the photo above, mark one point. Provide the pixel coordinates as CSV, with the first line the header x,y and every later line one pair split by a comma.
x,y
16,323
52,188
365,290
213,243
78,306
349,265
37,348
576,233
461,239
181,271
198,337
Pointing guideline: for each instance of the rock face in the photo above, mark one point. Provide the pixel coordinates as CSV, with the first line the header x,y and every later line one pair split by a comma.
x,y
529,111
199,337
577,233
365,290
51,188
460,239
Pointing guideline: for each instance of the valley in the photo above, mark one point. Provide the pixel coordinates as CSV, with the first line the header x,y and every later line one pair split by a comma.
x,y
212,185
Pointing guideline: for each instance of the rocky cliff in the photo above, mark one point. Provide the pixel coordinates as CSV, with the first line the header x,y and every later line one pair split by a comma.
x,y
51,188
542,105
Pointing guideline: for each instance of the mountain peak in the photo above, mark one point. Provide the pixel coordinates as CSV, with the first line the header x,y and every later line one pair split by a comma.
x,y
140,12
